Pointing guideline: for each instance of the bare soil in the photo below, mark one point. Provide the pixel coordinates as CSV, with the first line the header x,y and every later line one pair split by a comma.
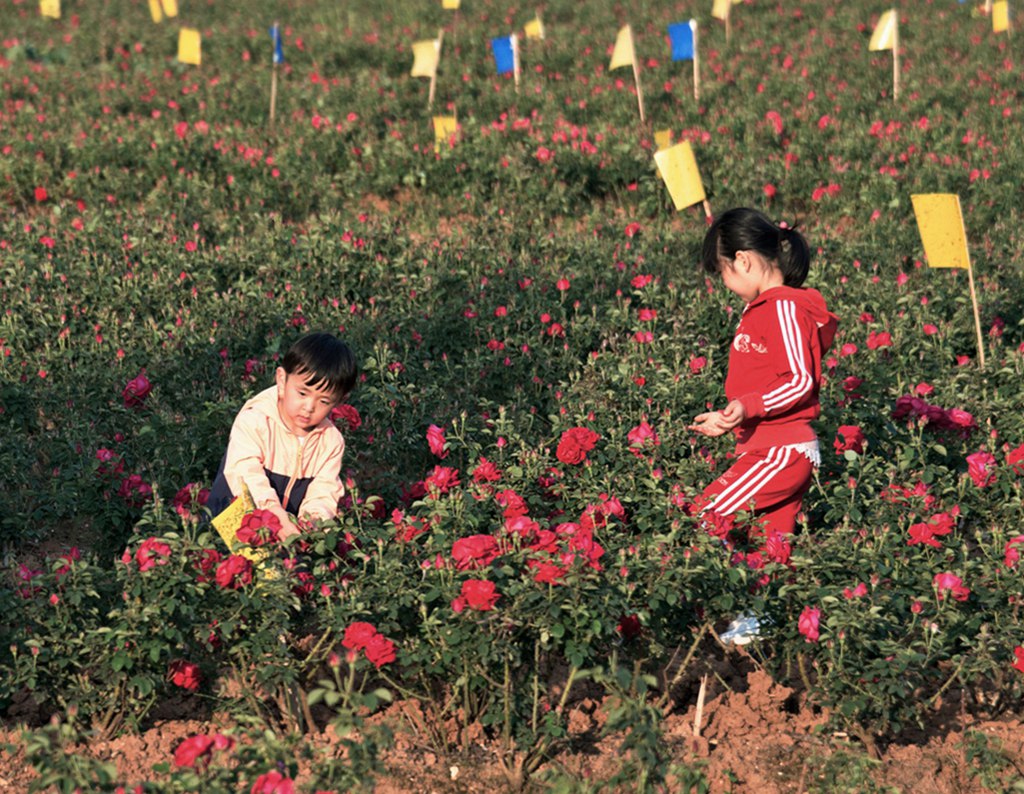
x,y
754,736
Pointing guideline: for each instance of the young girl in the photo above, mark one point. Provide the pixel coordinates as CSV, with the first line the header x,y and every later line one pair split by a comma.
x,y
774,369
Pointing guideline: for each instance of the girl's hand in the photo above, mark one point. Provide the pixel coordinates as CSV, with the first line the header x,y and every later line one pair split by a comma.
x,y
715,423
712,423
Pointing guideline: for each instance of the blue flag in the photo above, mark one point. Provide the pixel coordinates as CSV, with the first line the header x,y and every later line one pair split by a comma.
x,y
275,37
681,36
504,54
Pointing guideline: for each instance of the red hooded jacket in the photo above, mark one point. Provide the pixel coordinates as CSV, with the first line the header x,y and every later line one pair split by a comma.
x,y
775,366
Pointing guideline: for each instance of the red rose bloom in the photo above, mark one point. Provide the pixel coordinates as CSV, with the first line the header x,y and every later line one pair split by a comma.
x,y
480,594
1015,460
185,674
574,445
476,551
442,479
358,634
135,392
273,783
151,553
259,528
380,650
849,437
234,573
200,747
349,414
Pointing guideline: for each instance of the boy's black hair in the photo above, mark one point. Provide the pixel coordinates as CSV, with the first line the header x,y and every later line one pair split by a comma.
x,y
324,360
744,229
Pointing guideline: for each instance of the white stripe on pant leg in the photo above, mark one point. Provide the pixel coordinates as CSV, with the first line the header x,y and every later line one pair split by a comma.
x,y
764,476
741,482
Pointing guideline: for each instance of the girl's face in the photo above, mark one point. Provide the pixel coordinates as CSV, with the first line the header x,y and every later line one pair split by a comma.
x,y
748,275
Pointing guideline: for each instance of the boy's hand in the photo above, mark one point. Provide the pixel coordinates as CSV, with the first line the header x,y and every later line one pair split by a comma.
x,y
715,423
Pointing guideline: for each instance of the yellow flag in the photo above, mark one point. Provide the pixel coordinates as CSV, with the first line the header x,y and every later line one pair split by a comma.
x,y
170,7
678,167
190,46
884,36
50,8
155,11
623,54
720,9
451,5
425,55
941,225
534,29
229,520
1000,16
662,139
444,128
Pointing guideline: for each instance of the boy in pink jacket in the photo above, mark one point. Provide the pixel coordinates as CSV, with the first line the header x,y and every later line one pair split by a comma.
x,y
774,368
283,446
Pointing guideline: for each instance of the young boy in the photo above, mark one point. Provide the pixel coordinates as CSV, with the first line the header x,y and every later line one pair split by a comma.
x,y
283,446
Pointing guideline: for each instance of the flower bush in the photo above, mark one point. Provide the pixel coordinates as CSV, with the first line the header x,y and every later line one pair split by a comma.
x,y
534,336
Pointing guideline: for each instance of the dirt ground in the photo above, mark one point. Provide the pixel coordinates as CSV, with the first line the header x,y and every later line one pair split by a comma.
x,y
754,736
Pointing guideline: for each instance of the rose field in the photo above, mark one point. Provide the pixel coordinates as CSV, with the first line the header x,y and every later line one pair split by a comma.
x,y
518,593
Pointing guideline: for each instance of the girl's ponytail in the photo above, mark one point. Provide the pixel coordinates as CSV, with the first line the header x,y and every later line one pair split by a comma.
x,y
794,257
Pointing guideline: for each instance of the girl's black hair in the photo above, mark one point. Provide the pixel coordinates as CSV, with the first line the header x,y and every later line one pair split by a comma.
x,y
744,229
324,360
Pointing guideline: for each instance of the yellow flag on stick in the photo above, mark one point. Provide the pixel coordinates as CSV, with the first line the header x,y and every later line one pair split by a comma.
x,y
170,7
662,139
623,54
450,5
425,55
155,11
534,29
49,8
884,36
444,128
941,224
1000,16
190,46
720,9
678,167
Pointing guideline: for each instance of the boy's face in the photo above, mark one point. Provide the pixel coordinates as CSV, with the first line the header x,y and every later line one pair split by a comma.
x,y
302,406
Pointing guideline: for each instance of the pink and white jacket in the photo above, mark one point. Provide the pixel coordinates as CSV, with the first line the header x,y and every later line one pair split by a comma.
x,y
303,478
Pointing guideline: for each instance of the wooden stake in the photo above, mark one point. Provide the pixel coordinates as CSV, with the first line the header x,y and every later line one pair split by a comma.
x,y
707,212
977,318
636,77
896,56
273,94
437,65
696,64
515,59
699,716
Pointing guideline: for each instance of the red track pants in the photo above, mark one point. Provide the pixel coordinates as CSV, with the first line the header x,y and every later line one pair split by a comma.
x,y
770,483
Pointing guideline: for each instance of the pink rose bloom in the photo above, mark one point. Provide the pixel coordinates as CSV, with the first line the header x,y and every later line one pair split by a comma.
x,y
808,623
952,584
436,440
640,435
980,468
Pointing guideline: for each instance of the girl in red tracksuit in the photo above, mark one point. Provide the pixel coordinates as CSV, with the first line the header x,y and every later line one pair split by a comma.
x,y
774,368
